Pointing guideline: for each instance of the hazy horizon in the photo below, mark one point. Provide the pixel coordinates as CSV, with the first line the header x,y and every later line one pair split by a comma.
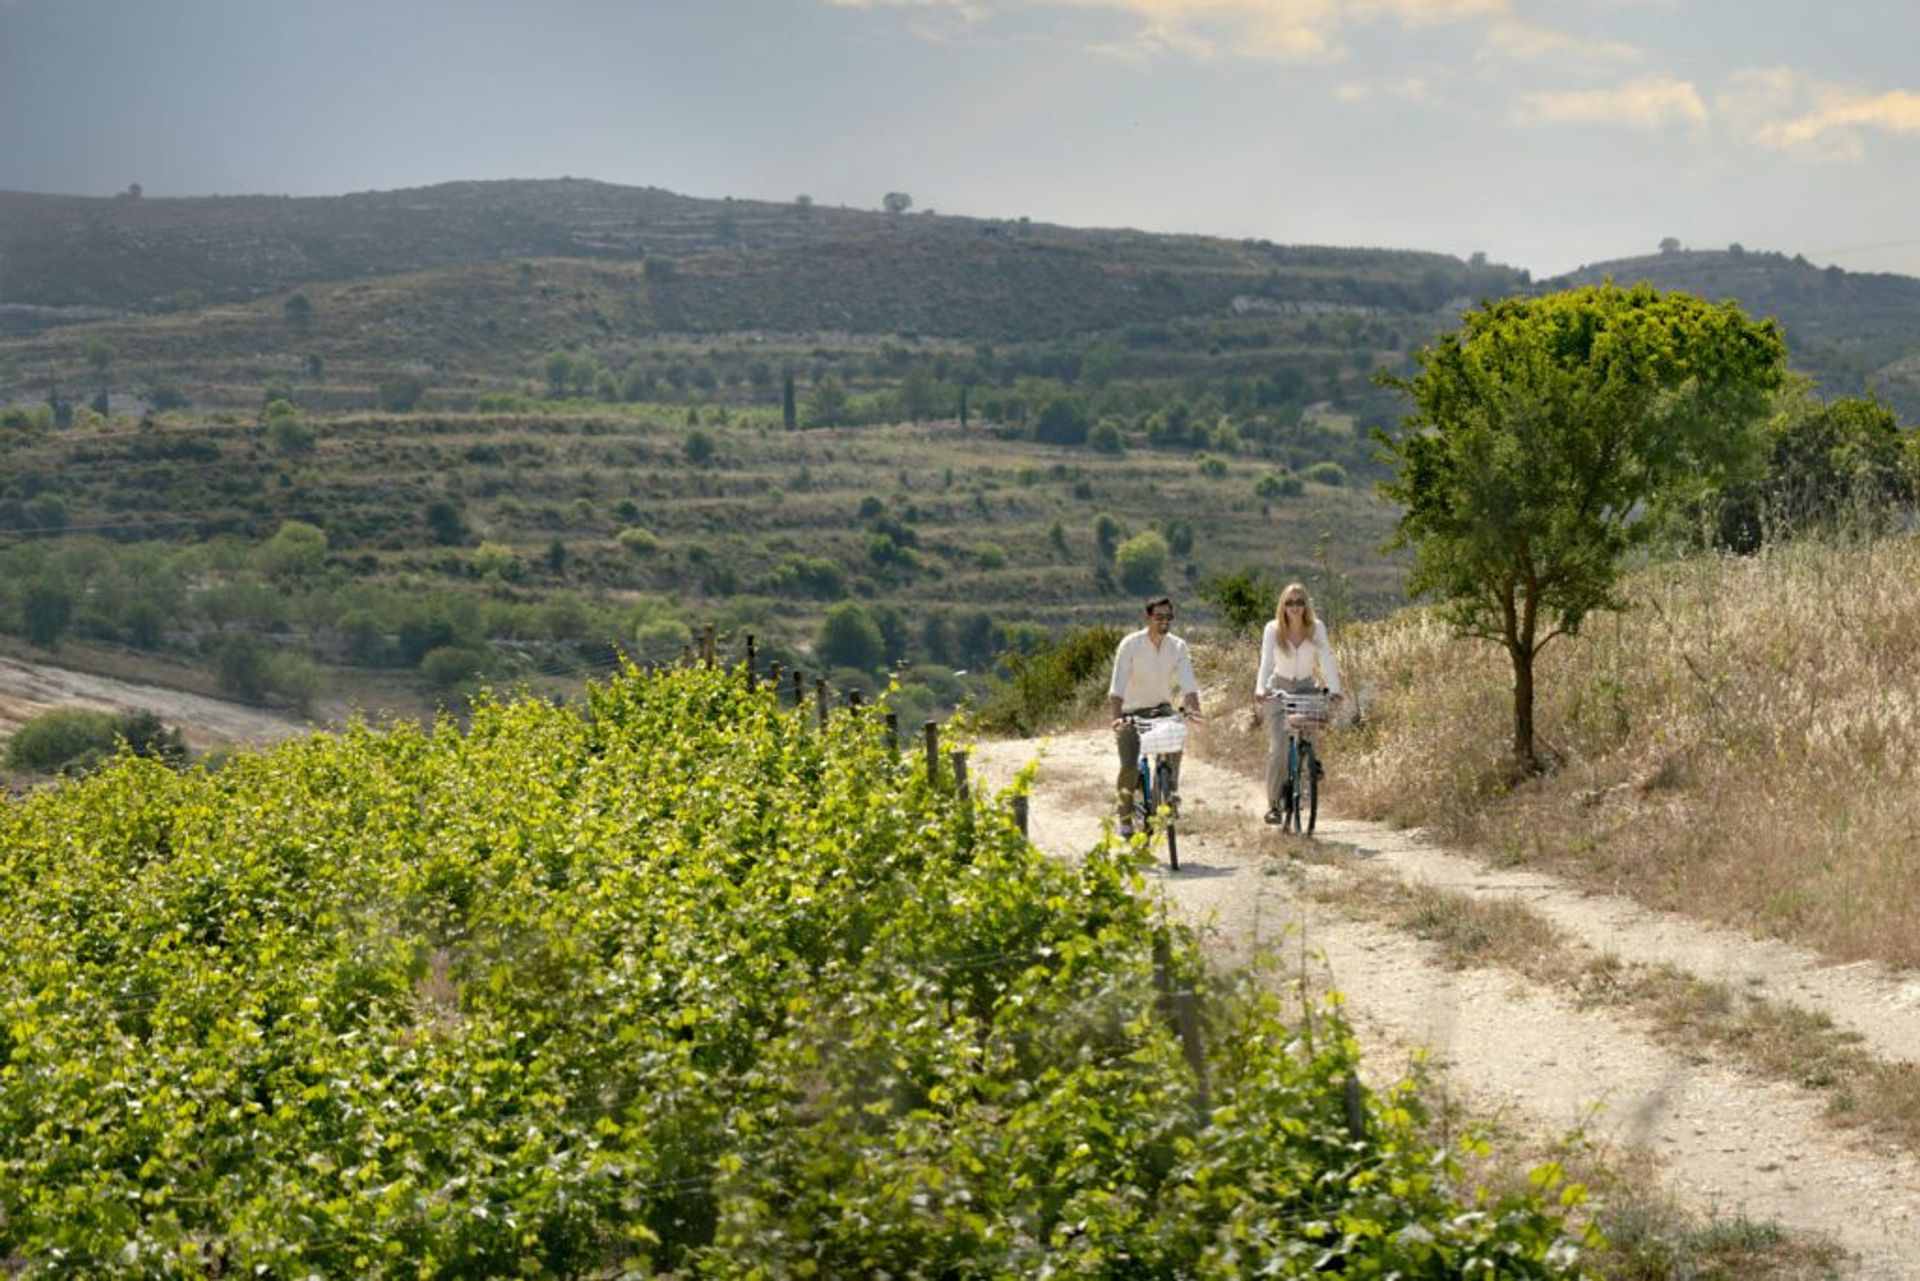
x,y
1546,137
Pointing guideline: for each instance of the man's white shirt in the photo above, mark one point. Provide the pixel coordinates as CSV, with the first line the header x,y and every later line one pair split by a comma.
x,y
1145,675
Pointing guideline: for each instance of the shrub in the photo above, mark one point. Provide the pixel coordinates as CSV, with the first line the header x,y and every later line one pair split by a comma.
x,y
1040,685
849,637
1326,472
1276,485
1141,562
639,540
451,667
1244,598
74,739
56,739
1105,438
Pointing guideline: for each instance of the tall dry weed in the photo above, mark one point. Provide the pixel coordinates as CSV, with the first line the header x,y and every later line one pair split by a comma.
x,y
1740,744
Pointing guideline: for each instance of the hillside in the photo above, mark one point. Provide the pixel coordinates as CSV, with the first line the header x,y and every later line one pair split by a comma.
x,y
178,254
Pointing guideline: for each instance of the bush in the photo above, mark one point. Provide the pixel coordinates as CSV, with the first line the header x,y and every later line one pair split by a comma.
x,y
73,739
1276,485
1326,473
56,739
452,667
1041,685
1245,598
849,637
1141,562
639,540
1105,439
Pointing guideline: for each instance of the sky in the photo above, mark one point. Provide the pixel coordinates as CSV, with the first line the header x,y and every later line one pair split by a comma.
x,y
1545,135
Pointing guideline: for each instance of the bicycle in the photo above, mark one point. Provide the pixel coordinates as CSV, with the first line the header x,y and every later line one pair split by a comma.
x,y
1300,801
1153,789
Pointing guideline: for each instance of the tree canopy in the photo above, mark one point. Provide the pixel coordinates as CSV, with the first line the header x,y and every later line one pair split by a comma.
x,y
1544,436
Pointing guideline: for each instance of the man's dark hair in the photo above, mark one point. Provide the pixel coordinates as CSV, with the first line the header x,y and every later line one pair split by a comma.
x,y
1159,600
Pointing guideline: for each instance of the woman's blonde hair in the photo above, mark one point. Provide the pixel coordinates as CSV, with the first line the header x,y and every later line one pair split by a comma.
x,y
1298,591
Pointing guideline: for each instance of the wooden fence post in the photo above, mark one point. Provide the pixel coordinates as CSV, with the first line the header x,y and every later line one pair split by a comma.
x,y
752,676
799,689
706,645
958,759
893,732
932,732
1020,813
774,673
820,699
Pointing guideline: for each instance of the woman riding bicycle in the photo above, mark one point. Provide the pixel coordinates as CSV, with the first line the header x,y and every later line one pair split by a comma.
x,y
1294,658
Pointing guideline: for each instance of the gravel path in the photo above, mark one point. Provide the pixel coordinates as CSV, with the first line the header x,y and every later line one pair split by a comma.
x,y
1724,1140
28,689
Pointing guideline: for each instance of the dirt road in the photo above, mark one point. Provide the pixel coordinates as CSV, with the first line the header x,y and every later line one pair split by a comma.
x,y
28,689
1725,1141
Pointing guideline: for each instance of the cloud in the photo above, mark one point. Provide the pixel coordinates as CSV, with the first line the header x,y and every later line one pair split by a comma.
x,y
1407,89
1651,103
1789,110
1285,30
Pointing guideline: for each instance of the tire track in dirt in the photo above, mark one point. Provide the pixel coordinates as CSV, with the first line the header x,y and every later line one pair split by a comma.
x,y
1724,1141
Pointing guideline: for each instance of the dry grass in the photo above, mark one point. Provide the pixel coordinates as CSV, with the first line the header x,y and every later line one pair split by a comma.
x,y
1740,745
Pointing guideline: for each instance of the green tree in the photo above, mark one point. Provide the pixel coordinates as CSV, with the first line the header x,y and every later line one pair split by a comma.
x,y
1141,562
46,608
285,430
296,553
1244,598
1839,466
826,404
849,637
1545,436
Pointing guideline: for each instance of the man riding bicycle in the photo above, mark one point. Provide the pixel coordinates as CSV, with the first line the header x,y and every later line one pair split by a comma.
x,y
1150,669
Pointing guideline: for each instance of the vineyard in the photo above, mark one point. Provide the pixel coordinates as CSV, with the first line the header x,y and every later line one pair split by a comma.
x,y
677,980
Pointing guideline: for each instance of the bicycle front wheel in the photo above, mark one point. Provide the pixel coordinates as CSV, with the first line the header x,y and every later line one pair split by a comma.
x,y
1164,796
1309,785
1143,797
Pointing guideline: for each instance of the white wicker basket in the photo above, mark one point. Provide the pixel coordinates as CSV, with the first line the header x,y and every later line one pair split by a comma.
x,y
1164,735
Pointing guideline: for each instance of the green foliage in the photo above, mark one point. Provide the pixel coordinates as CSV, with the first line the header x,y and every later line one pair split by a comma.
x,y
1142,562
1055,678
1105,438
296,553
401,393
1546,431
78,738
676,985
452,667
639,540
46,608
849,637
1325,472
699,447
826,404
286,432
1244,598
1842,466
1276,485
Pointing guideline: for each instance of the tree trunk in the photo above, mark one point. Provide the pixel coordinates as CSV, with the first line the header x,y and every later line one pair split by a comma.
x,y
1523,753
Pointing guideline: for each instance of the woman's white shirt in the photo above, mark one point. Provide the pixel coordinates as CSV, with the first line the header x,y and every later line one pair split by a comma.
x,y
1298,664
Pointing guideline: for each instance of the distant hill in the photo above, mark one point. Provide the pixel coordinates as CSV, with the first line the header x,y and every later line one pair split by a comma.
x,y
1851,330
157,255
